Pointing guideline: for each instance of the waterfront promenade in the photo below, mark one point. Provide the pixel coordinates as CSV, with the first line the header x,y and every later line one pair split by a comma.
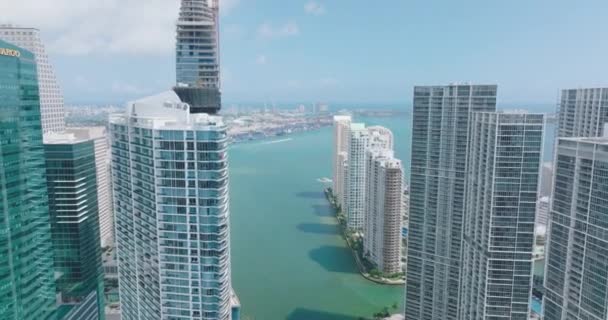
x,y
350,241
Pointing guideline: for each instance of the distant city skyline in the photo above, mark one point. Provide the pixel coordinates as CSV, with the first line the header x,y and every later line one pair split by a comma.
x,y
312,51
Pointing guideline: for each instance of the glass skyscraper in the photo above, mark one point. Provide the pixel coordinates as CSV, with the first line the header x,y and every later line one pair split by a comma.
x,y
354,191
583,112
52,113
197,55
27,287
576,272
170,180
439,145
503,164
72,189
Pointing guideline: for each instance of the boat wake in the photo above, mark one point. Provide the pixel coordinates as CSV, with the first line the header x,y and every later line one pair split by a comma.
x,y
276,141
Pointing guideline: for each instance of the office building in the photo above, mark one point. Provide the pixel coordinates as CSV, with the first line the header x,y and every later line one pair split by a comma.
x,y
583,112
542,211
576,280
197,55
27,286
72,189
354,200
170,181
102,167
546,178
502,182
341,136
384,209
439,143
51,98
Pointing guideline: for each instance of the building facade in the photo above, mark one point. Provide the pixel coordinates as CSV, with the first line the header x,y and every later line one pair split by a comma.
x,y
170,179
384,210
72,189
542,211
51,98
380,138
103,169
341,136
354,200
583,112
502,182
439,144
576,281
27,287
197,55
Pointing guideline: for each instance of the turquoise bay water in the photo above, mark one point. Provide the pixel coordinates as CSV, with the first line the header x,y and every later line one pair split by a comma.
x,y
288,259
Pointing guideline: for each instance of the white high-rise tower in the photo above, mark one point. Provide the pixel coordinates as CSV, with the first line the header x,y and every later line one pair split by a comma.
x,y
384,210
341,137
51,98
170,179
354,191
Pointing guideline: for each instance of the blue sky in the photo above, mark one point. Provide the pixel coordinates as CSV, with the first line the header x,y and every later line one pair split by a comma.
x,y
334,50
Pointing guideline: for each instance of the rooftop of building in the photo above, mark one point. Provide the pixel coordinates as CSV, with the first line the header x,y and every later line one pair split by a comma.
x,y
63,138
7,26
87,132
165,110
357,126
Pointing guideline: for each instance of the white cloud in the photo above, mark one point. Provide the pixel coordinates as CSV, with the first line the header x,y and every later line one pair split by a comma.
x,y
81,27
268,31
314,8
261,59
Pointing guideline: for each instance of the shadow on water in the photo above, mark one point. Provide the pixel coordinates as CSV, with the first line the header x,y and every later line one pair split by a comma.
x,y
323,210
333,259
309,314
310,195
319,228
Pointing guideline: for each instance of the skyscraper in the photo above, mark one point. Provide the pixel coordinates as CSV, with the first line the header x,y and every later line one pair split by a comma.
x,y
502,181
102,165
583,112
354,200
542,211
51,98
27,287
341,136
380,138
576,280
170,179
384,209
72,188
439,145
197,55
